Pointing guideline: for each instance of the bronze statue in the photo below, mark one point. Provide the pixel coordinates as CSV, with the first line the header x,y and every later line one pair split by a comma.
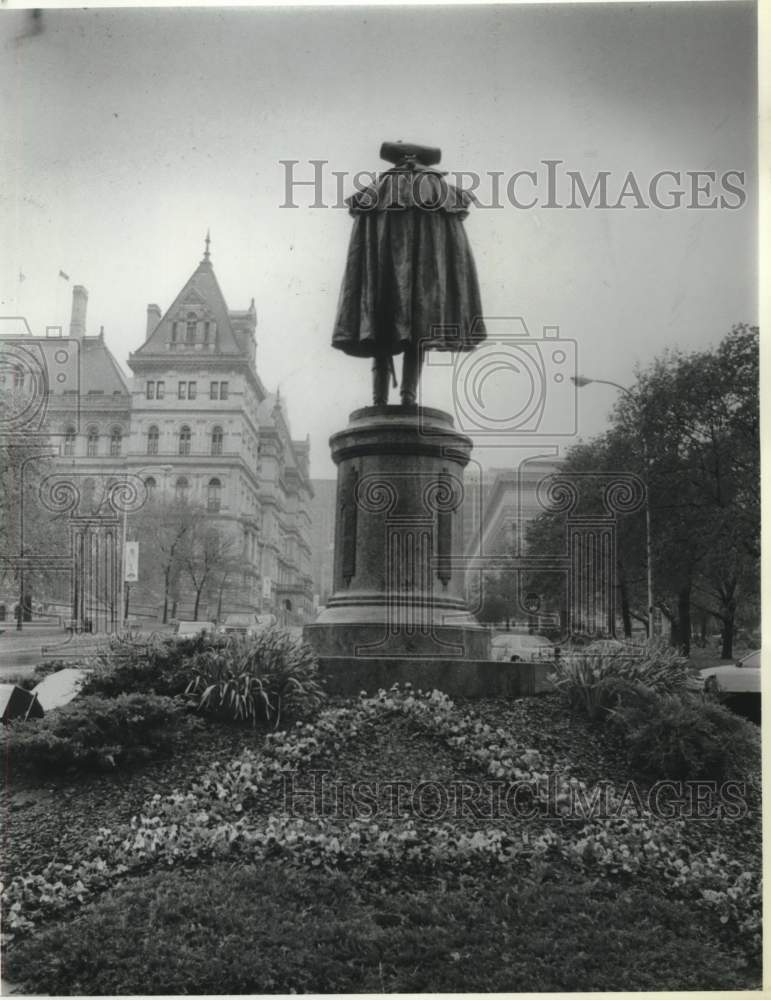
x,y
410,283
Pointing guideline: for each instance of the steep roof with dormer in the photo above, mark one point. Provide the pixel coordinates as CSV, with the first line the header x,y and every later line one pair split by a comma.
x,y
200,292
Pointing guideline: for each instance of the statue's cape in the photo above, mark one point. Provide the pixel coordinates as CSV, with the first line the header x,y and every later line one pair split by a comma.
x,y
419,187
410,276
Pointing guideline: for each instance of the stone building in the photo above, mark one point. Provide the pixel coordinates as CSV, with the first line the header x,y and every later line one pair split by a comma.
x,y
199,427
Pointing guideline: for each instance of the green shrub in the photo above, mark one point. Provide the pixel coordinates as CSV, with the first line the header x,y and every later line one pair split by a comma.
x,y
262,678
159,665
93,733
688,737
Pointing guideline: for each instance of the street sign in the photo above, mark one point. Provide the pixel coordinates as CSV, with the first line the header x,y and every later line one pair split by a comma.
x,y
131,562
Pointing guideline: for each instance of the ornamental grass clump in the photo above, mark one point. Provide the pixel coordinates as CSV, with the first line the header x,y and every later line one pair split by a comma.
x,y
267,677
597,683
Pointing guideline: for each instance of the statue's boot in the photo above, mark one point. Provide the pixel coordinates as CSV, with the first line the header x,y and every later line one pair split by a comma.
x,y
381,376
411,366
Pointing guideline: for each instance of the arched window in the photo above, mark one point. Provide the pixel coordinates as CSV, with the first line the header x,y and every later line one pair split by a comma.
x,y
214,495
150,486
184,440
182,487
92,442
192,324
116,441
153,436
69,441
216,441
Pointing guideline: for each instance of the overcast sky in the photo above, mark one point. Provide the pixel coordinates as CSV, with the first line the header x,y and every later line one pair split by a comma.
x,y
126,133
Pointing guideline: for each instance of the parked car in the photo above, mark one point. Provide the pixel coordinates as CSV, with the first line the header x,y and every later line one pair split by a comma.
x,y
513,647
742,677
737,684
193,628
246,624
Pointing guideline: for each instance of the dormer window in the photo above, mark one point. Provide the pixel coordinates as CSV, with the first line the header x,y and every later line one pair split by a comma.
x,y
192,325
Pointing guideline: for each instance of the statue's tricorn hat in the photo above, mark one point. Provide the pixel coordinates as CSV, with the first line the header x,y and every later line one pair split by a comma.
x,y
396,152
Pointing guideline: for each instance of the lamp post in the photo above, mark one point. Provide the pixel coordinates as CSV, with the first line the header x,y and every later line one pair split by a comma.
x,y
580,381
124,592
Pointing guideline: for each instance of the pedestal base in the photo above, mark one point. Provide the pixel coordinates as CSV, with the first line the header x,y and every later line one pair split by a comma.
x,y
399,579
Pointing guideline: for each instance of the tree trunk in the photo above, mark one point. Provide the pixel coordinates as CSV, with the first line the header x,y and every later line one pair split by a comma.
x,y
684,616
727,651
197,602
626,616
166,594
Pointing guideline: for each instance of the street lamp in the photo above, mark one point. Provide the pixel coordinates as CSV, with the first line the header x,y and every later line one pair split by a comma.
x,y
123,599
580,381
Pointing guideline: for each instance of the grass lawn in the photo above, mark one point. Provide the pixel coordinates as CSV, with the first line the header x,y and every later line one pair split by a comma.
x,y
208,894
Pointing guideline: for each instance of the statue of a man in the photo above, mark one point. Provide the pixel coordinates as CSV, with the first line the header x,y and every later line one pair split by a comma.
x,y
410,283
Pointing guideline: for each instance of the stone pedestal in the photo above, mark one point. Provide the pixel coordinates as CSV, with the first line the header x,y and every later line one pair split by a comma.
x,y
398,581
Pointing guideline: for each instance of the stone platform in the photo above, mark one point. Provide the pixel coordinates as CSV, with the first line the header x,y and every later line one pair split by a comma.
x,y
350,675
399,585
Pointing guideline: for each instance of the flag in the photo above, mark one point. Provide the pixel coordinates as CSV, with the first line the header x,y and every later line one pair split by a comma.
x,y
63,275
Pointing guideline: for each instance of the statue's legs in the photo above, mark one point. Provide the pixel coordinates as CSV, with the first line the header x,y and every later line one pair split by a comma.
x,y
381,376
413,362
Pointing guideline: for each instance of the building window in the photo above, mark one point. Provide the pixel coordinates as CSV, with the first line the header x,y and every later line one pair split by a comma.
x,y
182,392
223,390
213,496
92,442
192,390
206,331
184,440
116,442
150,393
192,323
150,485
69,441
152,440
181,489
214,390
173,333
160,388
216,441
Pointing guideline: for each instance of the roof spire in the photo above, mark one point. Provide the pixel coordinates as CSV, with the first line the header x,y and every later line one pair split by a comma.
x,y
207,242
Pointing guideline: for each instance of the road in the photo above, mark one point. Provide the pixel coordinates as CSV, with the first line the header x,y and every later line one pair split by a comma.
x,y
20,652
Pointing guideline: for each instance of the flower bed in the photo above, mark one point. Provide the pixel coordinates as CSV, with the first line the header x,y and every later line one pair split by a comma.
x,y
212,819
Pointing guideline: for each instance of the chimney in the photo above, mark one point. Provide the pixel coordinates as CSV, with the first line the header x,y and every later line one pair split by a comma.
x,y
153,318
78,319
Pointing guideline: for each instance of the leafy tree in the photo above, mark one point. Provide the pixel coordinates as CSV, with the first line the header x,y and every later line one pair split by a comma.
x,y
208,559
